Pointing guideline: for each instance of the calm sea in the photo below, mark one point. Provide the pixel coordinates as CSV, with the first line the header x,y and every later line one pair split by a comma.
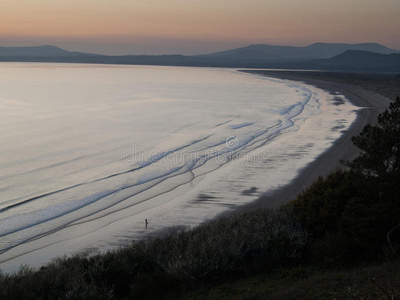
x,y
88,152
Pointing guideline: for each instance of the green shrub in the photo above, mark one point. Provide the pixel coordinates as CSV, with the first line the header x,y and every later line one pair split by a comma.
x,y
224,244
62,279
149,269
320,207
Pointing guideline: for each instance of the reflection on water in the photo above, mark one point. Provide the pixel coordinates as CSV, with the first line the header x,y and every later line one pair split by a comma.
x,y
89,152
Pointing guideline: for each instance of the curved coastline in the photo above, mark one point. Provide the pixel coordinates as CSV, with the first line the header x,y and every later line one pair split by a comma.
x,y
30,248
342,148
370,104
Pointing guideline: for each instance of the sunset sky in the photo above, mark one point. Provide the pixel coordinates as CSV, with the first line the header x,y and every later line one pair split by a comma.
x,y
194,26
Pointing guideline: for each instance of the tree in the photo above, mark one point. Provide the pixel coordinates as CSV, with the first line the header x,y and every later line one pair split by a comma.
x,y
378,168
353,211
380,147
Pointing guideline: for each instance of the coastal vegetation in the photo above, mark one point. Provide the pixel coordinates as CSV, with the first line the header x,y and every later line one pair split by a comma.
x,y
353,213
339,239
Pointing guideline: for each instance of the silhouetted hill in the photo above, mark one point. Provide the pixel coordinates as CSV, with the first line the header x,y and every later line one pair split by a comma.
x,y
254,56
360,61
37,51
290,53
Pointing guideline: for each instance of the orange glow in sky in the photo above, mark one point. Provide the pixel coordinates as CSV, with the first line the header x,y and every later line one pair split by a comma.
x,y
193,26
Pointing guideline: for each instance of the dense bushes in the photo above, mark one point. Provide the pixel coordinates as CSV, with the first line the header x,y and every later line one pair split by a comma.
x,y
380,148
61,279
147,269
349,213
223,245
346,219
320,207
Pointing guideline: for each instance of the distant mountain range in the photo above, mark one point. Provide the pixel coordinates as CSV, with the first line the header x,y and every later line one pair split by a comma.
x,y
319,56
37,51
289,53
363,60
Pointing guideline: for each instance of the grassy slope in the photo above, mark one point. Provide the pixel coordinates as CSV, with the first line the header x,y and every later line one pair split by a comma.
x,y
308,282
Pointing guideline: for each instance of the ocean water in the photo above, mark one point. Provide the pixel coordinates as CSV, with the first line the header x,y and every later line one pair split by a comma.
x,y
88,152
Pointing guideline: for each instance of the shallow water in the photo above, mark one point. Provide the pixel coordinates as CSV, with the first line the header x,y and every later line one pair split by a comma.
x,y
88,152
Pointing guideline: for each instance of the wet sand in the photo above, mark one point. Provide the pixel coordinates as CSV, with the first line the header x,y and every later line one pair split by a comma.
x,y
342,150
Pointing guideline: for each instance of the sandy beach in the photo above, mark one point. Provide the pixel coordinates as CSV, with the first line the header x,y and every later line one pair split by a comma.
x,y
371,105
98,189
224,190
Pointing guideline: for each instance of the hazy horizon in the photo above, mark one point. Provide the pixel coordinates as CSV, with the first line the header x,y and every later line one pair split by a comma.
x,y
208,48
188,27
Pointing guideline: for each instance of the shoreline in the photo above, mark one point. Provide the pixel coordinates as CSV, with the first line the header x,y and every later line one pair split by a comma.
x,y
370,104
341,149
